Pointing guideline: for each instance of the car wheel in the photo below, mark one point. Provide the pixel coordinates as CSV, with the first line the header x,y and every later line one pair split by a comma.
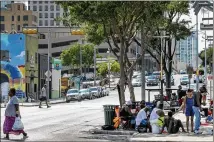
x,y
80,99
67,101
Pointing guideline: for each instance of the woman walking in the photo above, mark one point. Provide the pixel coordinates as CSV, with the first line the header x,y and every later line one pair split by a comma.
x,y
11,112
188,103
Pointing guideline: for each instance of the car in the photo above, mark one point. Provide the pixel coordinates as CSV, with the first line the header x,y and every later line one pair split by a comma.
x,y
184,81
157,74
105,91
183,72
136,82
85,93
152,80
73,94
97,91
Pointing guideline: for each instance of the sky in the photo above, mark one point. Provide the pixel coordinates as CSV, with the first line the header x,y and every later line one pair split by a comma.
x,y
15,43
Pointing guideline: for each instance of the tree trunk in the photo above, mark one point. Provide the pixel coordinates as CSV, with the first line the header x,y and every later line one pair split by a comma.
x,y
143,65
131,88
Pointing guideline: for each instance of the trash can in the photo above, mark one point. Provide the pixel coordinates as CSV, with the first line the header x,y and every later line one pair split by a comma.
x,y
109,114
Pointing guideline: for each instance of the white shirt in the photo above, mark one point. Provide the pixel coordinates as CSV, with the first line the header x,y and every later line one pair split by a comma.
x,y
43,93
154,114
140,116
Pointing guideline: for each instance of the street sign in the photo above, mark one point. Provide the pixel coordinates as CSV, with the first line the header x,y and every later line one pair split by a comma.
x,y
46,74
210,77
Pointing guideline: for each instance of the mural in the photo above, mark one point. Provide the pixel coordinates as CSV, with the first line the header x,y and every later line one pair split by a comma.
x,y
13,69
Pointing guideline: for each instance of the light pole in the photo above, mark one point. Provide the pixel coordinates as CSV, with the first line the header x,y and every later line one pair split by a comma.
x,y
109,51
213,60
197,75
95,66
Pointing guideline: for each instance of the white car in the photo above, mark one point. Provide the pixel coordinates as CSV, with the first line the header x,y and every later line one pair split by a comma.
x,y
96,91
73,94
136,82
85,93
105,91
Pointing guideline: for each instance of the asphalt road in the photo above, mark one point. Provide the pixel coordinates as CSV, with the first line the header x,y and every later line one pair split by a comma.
x,y
69,121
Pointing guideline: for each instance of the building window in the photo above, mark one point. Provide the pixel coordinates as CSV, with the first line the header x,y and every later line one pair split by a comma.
x,y
25,18
52,23
40,2
46,15
43,46
2,27
12,26
18,28
42,36
57,14
46,8
25,25
28,2
57,8
40,15
46,1
40,8
1,18
52,15
18,17
34,2
34,18
28,7
40,23
18,7
34,8
57,23
52,7
46,22
12,18
36,57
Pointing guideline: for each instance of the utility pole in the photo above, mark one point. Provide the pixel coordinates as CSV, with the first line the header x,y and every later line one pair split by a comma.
x,y
95,66
205,58
161,77
48,77
142,65
213,61
197,75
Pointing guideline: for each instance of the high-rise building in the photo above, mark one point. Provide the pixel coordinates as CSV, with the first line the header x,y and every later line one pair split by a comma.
x,y
48,11
186,50
5,3
16,16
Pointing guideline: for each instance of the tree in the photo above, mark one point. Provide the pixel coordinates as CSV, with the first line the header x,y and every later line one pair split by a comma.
x,y
209,55
103,69
115,67
116,23
71,56
175,28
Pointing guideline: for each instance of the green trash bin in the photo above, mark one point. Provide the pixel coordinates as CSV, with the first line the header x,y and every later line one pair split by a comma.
x,y
109,114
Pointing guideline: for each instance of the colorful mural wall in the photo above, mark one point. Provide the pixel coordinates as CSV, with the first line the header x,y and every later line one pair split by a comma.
x,y
13,70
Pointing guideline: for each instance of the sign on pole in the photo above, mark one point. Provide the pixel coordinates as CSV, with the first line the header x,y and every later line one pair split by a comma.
x,y
46,74
210,77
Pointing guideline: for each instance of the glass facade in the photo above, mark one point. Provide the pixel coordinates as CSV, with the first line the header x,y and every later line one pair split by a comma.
x,y
186,50
4,3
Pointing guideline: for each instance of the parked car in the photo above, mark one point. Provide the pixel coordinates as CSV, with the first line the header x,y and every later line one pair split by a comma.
x,y
157,74
152,80
184,81
105,91
136,82
73,94
85,93
97,91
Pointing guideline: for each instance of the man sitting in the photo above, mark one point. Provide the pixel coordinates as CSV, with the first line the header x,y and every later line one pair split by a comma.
x,y
173,125
142,123
126,114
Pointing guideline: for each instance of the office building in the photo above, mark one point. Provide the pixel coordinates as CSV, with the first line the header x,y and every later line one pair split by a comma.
x,y
47,11
5,3
16,16
186,50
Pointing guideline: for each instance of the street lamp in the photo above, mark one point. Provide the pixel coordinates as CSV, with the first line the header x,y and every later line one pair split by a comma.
x,y
109,51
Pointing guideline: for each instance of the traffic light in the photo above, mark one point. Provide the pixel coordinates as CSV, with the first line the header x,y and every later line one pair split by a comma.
x,y
29,31
78,32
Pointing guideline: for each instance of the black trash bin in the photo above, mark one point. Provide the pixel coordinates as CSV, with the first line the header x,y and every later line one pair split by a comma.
x,y
109,114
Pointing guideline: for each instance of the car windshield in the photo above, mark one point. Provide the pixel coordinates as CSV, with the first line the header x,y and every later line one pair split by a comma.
x,y
73,91
185,78
156,73
84,90
193,86
151,77
93,89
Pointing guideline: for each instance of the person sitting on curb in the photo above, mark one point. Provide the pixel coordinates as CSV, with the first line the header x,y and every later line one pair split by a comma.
x,y
173,125
125,113
142,123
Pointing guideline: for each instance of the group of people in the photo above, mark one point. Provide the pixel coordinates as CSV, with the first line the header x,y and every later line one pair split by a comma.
x,y
153,119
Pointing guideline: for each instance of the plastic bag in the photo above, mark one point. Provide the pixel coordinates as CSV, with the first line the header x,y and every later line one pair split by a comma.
x,y
18,125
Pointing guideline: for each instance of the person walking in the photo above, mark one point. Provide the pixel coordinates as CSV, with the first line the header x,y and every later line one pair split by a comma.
x,y
11,112
197,108
43,97
188,108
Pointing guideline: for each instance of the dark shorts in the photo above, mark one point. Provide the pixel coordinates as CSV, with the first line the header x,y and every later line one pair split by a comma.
x,y
189,112
42,98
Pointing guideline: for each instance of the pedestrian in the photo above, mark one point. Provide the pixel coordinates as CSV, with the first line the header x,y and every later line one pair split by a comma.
x,y
11,112
188,108
197,108
173,125
43,97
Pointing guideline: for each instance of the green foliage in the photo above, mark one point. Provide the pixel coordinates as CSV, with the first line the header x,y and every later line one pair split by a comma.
x,y
209,56
71,56
103,69
115,67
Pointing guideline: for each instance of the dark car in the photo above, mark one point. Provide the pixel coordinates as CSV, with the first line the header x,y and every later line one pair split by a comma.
x,y
152,80
156,74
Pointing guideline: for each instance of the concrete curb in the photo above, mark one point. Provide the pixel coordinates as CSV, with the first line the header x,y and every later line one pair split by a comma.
x,y
113,132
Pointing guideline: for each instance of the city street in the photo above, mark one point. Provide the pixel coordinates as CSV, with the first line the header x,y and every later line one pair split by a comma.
x,y
68,121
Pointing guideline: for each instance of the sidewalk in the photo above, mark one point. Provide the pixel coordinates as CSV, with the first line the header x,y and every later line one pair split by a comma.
x,y
30,104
